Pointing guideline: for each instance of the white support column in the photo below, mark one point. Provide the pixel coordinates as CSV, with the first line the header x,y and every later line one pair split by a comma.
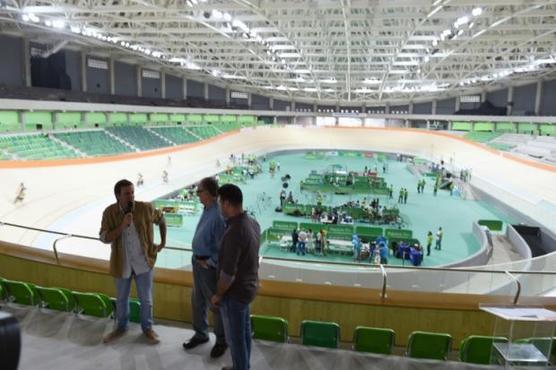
x,y
538,96
315,120
206,94
26,63
184,87
139,82
458,103
292,105
112,81
249,100
227,96
163,84
428,125
483,96
411,108
271,103
510,100
387,108
433,108
406,123
337,110
83,71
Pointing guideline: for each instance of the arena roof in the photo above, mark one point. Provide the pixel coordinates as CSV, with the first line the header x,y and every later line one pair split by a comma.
x,y
326,52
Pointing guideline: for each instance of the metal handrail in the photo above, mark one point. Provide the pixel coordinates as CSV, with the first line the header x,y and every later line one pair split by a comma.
x,y
518,292
446,269
384,281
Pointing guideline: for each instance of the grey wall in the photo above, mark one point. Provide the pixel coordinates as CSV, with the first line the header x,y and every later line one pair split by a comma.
x,y
174,87
98,80
524,100
260,102
73,68
125,79
12,71
446,106
498,98
195,89
422,108
281,105
151,87
217,94
548,98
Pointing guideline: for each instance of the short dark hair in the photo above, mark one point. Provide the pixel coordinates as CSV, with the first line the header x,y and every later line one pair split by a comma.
x,y
232,194
210,185
121,184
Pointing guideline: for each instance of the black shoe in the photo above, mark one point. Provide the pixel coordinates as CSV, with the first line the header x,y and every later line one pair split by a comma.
x,y
218,350
194,342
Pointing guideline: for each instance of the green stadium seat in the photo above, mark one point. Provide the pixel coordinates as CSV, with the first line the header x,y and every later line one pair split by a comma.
x,y
138,137
134,309
269,328
477,349
544,344
93,304
320,334
56,299
373,340
178,135
22,293
434,346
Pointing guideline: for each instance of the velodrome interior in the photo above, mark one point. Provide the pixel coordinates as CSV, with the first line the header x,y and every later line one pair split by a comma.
x,y
67,195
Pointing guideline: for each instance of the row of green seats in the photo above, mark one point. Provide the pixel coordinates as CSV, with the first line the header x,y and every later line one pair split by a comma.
x,y
138,137
62,299
204,132
177,134
94,143
34,147
476,349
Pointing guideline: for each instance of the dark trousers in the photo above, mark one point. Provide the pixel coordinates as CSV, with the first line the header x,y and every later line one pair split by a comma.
x,y
204,287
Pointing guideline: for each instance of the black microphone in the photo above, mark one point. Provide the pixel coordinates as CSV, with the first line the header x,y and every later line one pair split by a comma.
x,y
128,209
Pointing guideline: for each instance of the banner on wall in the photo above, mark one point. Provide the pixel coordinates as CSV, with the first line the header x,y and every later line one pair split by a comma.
x,y
97,63
239,95
470,99
150,74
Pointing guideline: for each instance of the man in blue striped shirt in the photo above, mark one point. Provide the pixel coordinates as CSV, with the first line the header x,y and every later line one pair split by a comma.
x,y
205,245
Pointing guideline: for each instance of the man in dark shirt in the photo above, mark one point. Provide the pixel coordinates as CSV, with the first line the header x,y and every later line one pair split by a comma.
x,y
238,261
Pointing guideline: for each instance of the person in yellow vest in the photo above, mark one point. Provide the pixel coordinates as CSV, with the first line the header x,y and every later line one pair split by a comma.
x,y
429,242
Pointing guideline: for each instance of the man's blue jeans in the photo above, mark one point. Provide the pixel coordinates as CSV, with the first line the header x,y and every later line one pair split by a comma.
x,y
300,248
144,285
237,326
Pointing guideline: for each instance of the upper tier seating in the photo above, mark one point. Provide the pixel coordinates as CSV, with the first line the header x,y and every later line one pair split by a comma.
x,y
33,147
204,132
138,137
93,143
178,135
